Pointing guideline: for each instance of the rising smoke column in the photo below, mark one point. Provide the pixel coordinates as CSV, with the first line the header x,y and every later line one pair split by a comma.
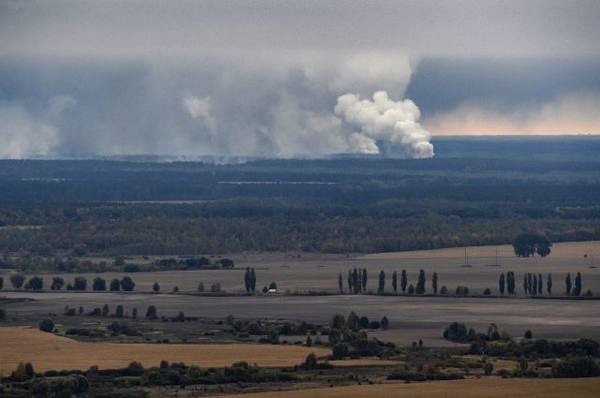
x,y
382,119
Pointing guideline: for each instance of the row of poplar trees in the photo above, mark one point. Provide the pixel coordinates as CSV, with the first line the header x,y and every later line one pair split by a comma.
x,y
356,282
533,284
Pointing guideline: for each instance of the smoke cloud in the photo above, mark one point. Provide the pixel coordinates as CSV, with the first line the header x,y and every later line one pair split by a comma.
x,y
382,119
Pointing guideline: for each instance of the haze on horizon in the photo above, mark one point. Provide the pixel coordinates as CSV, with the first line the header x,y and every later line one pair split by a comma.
x,y
287,79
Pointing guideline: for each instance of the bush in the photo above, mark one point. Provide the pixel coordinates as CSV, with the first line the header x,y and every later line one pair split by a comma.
x,y
462,291
528,334
2,315
47,325
99,284
487,292
444,290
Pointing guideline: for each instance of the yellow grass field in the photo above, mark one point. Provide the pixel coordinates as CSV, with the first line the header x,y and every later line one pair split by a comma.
x,y
471,388
562,250
47,351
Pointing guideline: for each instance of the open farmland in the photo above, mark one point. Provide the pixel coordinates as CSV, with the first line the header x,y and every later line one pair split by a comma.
x,y
410,317
470,388
319,272
47,351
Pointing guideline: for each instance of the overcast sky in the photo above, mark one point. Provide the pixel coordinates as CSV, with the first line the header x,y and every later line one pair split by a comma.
x,y
267,77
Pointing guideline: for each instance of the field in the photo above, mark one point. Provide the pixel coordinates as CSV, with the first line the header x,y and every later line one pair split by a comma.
x,y
471,388
411,318
319,272
50,352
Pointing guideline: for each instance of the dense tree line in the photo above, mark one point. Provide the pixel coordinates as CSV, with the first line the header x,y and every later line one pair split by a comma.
x,y
74,208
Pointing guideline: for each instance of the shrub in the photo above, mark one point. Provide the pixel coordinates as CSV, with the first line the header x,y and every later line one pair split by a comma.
x,y
444,290
528,334
487,292
2,315
47,325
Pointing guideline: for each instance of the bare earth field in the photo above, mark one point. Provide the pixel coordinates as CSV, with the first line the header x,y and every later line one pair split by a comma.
x,y
411,318
47,351
470,388
319,272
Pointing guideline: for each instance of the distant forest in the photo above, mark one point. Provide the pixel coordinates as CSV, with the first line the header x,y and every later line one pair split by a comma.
x,y
474,192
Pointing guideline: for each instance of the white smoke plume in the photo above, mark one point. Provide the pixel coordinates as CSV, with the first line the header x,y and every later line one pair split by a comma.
x,y
382,119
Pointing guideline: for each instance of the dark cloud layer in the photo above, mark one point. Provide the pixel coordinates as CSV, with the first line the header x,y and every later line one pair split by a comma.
x,y
264,77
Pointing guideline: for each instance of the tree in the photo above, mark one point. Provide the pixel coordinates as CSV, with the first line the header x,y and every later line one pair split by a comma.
x,y
17,280
488,368
57,283
355,283
434,283
35,283
252,280
311,361
385,323
549,284
364,280
127,284
201,287
577,288
115,285
510,282
134,313
540,284
156,287
151,312
79,283
501,283
341,283
120,311
568,284
420,289
528,334
350,281
352,322
1,282
47,325
525,284
340,351
403,281
395,282
530,244
99,284
535,283
105,310
247,282
338,321
530,289
381,284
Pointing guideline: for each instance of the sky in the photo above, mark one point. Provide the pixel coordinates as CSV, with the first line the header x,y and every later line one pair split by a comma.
x,y
291,78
